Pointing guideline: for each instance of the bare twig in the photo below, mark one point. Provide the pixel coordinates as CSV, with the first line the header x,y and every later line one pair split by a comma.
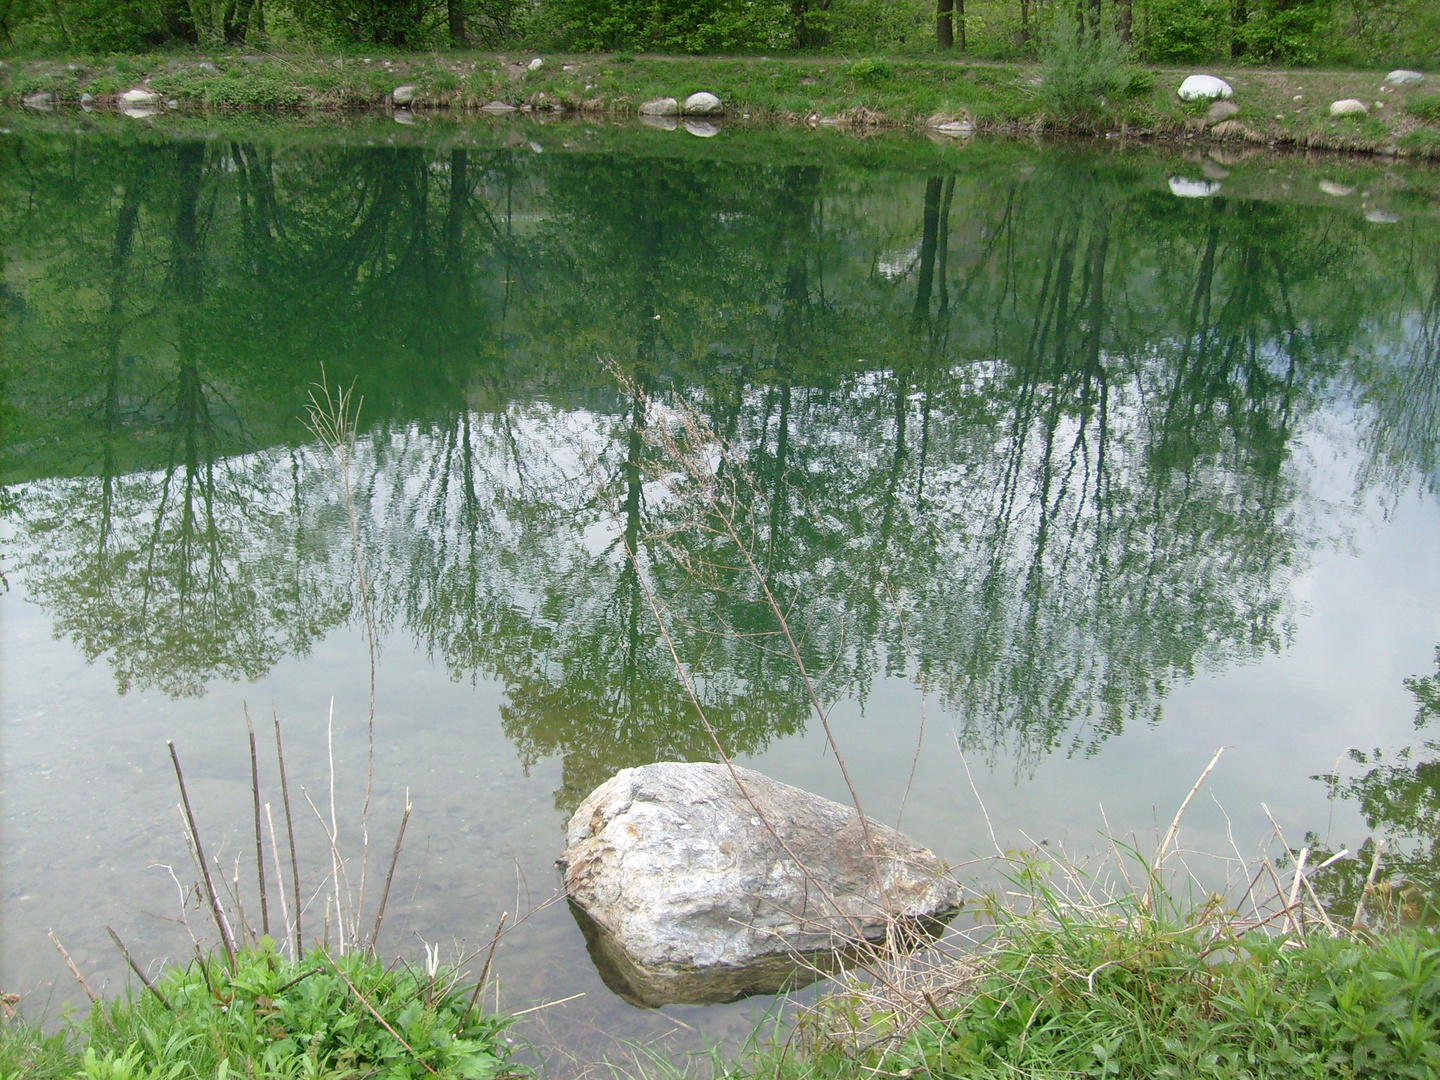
x,y
280,877
390,875
226,939
290,832
259,845
136,968
485,971
1164,847
81,980
1369,886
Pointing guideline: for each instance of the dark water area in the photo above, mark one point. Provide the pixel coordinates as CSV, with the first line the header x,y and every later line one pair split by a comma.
x,y
1068,464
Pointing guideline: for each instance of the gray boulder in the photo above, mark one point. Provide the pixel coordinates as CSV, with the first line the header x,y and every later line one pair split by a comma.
x,y
1221,110
1404,77
685,894
41,100
138,98
536,64
1204,88
702,104
403,95
1349,107
665,106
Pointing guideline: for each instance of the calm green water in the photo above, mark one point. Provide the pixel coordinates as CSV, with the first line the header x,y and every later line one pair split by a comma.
x,y
1049,464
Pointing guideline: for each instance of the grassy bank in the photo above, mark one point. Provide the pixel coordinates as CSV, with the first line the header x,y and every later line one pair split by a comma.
x,y
1279,107
1108,990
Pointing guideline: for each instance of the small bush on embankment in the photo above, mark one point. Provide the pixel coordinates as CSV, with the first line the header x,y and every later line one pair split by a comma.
x,y
323,1019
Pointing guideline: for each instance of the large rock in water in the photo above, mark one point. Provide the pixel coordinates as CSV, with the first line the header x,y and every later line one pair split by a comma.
x,y
686,895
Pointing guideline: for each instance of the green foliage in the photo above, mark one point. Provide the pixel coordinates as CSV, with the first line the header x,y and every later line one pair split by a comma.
x,y
1080,73
1132,1002
1178,31
1286,31
272,1018
1425,106
870,71
690,26
1134,986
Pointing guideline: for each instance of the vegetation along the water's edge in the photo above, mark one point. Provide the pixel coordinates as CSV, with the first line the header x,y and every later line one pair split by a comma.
x,y
1102,988
1272,107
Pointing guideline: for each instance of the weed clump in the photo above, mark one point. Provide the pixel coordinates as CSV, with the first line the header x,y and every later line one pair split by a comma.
x,y
323,1018
1080,73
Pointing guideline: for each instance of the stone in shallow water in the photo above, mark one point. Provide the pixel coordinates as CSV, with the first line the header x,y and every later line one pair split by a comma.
x,y
686,895
665,106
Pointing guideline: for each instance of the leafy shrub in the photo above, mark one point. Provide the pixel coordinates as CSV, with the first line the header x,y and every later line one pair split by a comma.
x,y
284,1019
1080,72
870,71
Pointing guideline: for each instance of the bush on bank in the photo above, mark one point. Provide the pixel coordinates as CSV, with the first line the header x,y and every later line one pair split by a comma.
x,y
324,1018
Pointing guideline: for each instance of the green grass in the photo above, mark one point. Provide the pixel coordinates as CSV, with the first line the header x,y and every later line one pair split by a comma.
x,y
1085,94
1114,988
273,1019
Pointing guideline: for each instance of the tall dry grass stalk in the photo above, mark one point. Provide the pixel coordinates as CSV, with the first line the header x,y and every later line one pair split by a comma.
x,y
894,986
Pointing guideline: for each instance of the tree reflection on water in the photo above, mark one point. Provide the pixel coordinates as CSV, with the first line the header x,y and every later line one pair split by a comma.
x,y
1043,429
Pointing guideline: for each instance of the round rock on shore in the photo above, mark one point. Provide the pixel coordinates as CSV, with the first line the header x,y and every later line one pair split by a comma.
x,y
138,97
1203,88
1221,110
1404,77
665,106
403,95
1349,107
695,884
702,104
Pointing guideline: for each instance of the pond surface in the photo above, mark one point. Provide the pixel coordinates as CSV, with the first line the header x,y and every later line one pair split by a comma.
x,y
1058,472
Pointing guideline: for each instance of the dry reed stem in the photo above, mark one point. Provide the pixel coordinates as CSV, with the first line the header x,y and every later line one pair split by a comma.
x,y
94,1001
1164,848
290,833
485,970
226,939
279,876
1369,886
336,426
390,875
259,844
136,968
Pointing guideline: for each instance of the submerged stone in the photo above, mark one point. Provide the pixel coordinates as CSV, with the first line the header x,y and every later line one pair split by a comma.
x,y
694,888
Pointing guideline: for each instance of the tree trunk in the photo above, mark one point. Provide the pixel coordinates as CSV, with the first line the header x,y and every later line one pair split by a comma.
x,y
455,10
1024,23
1239,14
944,30
1095,19
960,22
1123,20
